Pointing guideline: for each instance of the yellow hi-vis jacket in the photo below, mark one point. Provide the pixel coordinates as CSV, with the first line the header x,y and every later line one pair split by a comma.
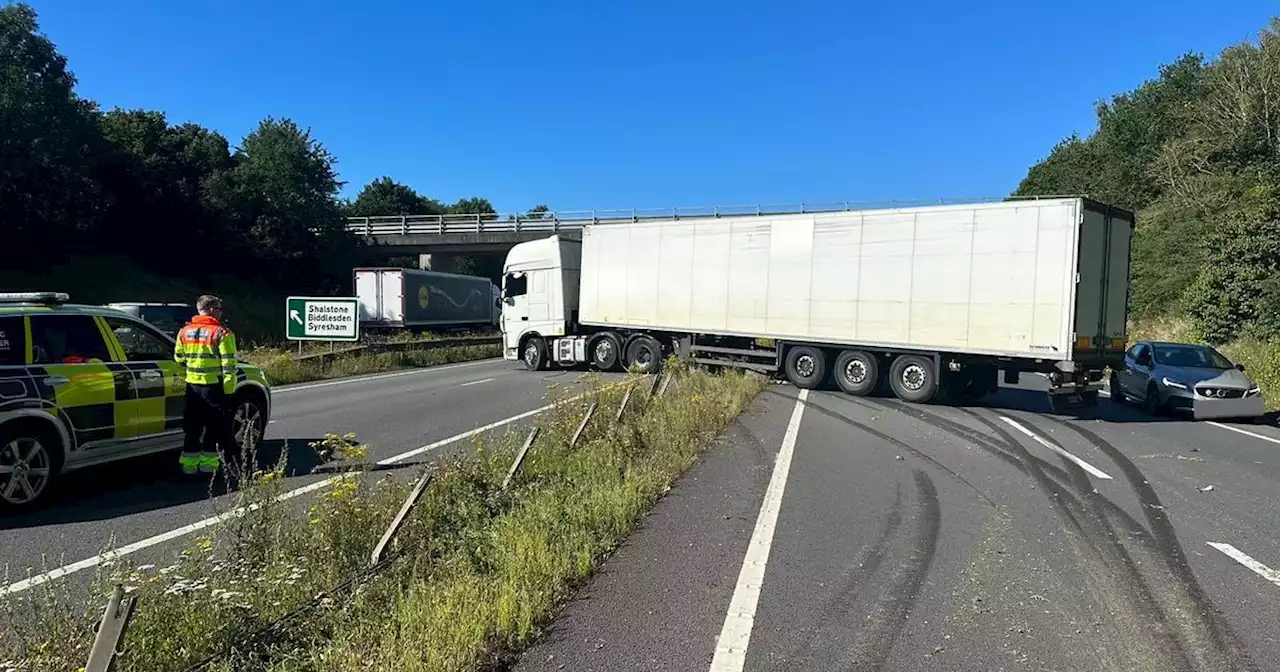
x,y
208,350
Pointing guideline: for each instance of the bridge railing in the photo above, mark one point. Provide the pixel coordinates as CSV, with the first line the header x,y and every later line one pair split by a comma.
x,y
572,220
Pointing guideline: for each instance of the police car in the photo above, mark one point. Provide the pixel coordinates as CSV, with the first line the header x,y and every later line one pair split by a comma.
x,y
86,385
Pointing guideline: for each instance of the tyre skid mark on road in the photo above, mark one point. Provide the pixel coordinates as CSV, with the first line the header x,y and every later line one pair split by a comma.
x,y
1230,652
1077,518
840,417
839,608
884,625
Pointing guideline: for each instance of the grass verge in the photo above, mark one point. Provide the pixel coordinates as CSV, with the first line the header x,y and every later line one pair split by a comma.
x,y
1261,358
481,568
281,368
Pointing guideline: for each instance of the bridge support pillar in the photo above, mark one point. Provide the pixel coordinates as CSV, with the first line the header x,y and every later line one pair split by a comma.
x,y
436,261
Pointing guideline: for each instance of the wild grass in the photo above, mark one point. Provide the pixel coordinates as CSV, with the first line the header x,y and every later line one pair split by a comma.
x,y
479,569
1261,358
282,368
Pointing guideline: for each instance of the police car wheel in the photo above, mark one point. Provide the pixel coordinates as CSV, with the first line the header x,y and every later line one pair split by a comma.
x,y
30,459
247,424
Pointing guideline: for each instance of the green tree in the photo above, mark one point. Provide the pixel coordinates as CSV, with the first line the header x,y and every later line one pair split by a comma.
x,y
385,196
158,176
472,206
49,145
282,196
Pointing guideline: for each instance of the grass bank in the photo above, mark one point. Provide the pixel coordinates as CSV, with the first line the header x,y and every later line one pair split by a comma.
x,y
481,569
282,368
1261,358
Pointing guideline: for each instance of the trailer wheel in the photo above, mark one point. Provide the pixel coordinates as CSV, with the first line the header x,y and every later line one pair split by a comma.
x,y
856,372
805,366
535,354
606,352
913,379
644,355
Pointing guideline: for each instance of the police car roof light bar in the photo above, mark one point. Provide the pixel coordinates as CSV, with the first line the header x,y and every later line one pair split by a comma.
x,y
34,297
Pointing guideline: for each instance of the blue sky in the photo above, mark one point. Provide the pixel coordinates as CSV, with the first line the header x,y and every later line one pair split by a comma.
x,y
619,104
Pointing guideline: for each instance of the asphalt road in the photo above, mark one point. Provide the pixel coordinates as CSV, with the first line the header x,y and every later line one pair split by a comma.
x,y
867,534
146,502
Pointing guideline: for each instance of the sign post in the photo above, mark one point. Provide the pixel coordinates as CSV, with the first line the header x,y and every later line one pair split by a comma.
x,y
322,318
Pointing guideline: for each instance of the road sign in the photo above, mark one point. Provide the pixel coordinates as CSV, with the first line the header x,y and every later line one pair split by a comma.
x,y
322,318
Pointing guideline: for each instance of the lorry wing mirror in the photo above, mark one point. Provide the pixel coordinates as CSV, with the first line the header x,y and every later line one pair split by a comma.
x,y
509,300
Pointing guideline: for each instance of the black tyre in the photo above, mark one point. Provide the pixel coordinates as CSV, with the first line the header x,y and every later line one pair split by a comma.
x,y
606,352
805,366
644,355
856,372
534,354
1117,393
248,425
30,461
913,379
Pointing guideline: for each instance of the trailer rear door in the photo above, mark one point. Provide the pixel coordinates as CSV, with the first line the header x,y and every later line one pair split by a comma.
x,y
1102,291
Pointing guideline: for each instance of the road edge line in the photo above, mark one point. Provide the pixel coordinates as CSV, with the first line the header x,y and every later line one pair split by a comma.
x,y
735,634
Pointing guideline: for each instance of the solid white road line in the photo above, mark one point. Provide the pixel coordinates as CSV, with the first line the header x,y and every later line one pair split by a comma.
x,y
735,635
19,586
1257,567
477,382
1056,448
381,376
1246,432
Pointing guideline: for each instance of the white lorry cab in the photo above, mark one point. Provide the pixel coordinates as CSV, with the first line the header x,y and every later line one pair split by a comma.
x,y
929,300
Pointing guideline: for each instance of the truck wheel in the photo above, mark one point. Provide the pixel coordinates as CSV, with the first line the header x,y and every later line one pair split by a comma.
x,y
30,460
805,366
535,354
856,372
606,352
644,355
912,379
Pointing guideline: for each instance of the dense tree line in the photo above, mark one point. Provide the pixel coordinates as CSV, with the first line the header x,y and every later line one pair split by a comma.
x,y
177,198
1196,154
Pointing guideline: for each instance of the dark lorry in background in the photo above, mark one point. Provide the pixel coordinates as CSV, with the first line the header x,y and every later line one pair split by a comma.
x,y
409,298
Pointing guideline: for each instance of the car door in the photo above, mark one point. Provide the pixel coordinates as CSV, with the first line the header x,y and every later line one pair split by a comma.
x,y
72,367
161,388
515,312
1140,370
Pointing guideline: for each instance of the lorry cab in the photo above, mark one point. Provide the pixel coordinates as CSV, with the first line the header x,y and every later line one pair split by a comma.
x,y
539,293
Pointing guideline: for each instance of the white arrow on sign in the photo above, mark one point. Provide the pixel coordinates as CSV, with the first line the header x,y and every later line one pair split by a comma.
x,y
293,315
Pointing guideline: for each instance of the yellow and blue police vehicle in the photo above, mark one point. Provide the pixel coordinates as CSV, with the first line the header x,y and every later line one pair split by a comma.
x,y
86,385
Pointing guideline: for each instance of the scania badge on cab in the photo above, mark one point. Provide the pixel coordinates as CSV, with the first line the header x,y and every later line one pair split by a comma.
x,y
935,299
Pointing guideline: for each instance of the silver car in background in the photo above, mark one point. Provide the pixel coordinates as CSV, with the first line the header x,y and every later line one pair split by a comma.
x,y
1185,378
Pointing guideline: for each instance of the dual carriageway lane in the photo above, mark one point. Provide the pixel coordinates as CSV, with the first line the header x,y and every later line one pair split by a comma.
x,y
905,537
933,537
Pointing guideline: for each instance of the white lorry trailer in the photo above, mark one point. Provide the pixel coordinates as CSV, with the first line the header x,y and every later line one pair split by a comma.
x,y
935,299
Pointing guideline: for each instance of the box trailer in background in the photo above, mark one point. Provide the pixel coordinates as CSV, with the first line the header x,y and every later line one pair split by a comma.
x,y
400,298
927,299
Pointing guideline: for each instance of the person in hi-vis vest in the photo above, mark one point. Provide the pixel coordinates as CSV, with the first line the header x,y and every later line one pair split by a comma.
x,y
208,351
